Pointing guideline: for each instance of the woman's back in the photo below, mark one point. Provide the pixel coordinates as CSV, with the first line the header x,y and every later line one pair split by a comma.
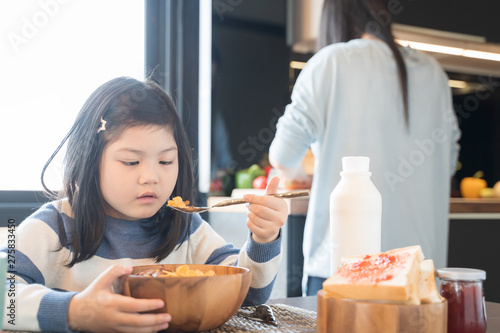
x,y
347,101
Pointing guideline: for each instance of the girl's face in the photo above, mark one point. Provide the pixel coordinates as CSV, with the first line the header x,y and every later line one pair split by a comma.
x,y
138,172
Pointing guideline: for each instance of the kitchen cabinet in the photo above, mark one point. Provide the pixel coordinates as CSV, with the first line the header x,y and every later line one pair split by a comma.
x,y
473,241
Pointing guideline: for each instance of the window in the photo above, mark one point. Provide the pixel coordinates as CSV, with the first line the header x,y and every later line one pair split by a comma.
x,y
54,53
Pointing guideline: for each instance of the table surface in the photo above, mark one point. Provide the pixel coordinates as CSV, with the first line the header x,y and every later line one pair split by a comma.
x,y
310,303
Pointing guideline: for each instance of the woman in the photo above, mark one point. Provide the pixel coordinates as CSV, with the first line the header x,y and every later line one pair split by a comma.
x,y
362,94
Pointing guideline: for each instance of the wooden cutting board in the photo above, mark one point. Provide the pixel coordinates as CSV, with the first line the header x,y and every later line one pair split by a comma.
x,y
336,315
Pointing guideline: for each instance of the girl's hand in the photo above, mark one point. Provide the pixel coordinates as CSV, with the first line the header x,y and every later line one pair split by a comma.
x,y
266,214
97,309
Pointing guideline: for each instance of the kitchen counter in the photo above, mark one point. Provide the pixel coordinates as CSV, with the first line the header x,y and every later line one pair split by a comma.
x,y
477,209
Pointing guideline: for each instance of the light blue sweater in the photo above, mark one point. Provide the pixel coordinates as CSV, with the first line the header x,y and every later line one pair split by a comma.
x,y
347,102
44,286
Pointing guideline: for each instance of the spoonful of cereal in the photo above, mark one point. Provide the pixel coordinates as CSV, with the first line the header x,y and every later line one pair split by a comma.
x,y
183,206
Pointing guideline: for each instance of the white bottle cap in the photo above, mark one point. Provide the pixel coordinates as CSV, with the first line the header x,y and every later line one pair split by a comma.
x,y
355,163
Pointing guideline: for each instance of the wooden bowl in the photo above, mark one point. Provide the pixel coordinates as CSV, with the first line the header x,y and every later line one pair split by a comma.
x,y
196,303
345,315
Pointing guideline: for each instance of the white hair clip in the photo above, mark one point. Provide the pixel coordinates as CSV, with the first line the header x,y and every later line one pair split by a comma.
x,y
103,126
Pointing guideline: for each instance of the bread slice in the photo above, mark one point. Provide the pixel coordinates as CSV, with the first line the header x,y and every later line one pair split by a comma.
x,y
391,276
415,249
427,286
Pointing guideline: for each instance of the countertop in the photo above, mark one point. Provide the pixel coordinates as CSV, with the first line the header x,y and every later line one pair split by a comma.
x,y
462,205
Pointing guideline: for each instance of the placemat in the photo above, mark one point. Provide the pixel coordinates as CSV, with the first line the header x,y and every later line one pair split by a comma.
x,y
289,319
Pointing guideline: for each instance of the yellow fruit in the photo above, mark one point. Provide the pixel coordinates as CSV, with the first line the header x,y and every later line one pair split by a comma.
x,y
486,193
496,190
470,187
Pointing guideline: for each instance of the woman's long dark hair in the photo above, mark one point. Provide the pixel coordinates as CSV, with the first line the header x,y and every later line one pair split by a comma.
x,y
344,20
123,103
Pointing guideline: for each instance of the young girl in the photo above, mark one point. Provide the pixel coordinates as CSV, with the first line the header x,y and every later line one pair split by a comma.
x,y
127,155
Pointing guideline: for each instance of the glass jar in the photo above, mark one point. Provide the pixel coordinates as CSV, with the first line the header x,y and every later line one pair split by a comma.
x,y
463,289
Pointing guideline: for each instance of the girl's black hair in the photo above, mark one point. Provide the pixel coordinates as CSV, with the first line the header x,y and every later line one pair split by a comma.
x,y
344,20
123,103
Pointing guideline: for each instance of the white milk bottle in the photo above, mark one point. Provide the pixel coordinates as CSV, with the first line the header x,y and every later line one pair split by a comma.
x,y
355,212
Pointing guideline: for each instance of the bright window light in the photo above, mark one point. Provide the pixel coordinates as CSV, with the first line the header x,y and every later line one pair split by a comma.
x,y
54,54
205,95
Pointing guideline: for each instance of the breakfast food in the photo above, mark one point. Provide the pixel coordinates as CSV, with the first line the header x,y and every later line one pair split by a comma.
x,y
399,276
178,202
180,271
388,292
195,304
427,286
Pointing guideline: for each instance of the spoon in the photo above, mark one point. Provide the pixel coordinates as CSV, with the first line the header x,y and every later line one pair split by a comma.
x,y
230,202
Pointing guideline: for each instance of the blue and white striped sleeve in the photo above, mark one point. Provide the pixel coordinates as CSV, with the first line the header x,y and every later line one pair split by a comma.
x,y
29,304
264,261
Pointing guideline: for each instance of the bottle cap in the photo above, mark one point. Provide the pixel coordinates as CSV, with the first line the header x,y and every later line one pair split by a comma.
x,y
466,274
355,163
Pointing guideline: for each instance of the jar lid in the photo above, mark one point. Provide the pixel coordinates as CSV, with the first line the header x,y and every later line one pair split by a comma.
x,y
455,273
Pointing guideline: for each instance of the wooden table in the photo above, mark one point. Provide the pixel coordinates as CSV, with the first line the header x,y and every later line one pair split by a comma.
x,y
310,303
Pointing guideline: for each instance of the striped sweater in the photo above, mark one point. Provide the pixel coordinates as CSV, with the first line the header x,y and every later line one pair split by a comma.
x,y
44,286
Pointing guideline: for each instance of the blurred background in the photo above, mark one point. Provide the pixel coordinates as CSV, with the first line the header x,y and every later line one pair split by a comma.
x,y
55,53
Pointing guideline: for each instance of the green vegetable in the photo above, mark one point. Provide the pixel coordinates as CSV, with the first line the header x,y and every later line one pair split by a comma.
x,y
244,178
256,171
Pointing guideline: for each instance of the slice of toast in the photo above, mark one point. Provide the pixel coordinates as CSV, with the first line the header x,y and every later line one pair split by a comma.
x,y
427,286
415,249
391,276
